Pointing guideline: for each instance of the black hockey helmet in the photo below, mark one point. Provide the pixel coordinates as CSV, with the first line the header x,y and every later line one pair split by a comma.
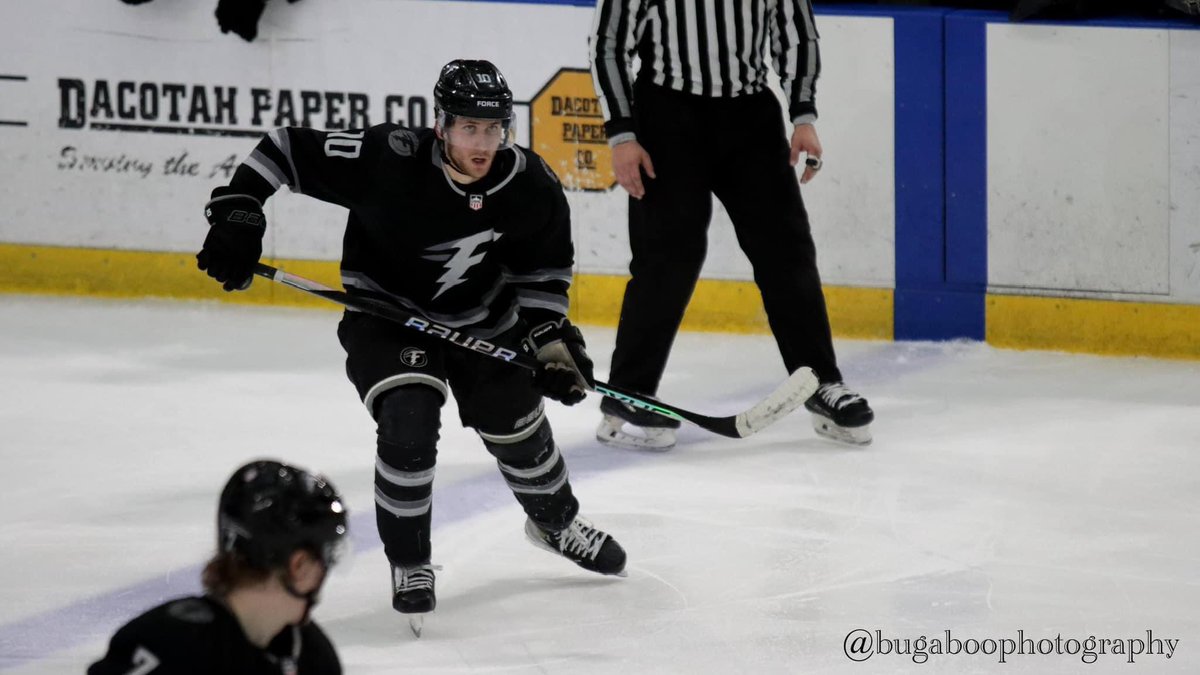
x,y
268,510
469,88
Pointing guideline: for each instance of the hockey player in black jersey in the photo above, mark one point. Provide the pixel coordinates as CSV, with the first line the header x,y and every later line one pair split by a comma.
x,y
279,530
458,225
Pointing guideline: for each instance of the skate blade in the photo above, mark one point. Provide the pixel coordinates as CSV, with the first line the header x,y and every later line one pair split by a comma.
x,y
612,432
416,623
849,435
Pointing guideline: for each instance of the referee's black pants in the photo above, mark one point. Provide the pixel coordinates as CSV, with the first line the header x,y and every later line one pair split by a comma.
x,y
733,148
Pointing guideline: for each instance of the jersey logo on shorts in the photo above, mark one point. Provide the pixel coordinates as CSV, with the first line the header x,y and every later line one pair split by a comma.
x,y
411,356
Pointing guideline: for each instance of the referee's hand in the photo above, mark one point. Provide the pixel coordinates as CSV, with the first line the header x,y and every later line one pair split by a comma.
x,y
804,139
629,158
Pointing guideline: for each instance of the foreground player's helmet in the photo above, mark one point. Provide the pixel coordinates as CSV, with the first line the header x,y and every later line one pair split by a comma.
x,y
474,89
268,510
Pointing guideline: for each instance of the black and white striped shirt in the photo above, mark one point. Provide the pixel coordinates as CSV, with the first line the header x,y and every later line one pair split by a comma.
x,y
713,48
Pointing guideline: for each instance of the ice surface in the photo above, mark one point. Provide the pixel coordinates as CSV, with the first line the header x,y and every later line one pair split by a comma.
x,y
1005,491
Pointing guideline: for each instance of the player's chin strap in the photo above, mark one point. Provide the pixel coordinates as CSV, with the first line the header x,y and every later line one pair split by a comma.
x,y
310,599
448,160
444,121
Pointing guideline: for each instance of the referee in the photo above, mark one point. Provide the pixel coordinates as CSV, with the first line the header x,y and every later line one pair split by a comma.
x,y
696,121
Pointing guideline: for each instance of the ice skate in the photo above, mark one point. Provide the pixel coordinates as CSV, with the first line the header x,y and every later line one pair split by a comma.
x,y
582,544
412,593
628,427
841,414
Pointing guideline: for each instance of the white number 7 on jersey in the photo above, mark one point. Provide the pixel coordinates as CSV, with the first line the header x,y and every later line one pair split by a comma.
x,y
143,662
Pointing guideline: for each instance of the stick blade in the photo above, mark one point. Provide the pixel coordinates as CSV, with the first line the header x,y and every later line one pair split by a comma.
x,y
787,397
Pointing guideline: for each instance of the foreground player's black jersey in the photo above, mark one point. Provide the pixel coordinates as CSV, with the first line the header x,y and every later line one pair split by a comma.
x,y
199,636
470,256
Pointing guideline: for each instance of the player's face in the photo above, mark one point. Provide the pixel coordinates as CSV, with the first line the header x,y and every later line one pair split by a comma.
x,y
472,143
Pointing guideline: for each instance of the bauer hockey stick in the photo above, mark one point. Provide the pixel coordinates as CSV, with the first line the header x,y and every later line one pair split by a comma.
x,y
787,397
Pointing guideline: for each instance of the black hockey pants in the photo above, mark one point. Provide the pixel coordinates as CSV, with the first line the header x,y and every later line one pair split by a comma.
x,y
404,379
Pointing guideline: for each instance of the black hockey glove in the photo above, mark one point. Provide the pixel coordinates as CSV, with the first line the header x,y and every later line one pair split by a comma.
x,y
234,241
240,16
567,376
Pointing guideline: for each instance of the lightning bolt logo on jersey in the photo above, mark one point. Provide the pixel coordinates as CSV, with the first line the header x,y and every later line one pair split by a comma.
x,y
462,261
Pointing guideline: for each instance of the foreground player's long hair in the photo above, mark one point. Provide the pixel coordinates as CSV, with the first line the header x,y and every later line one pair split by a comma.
x,y
230,570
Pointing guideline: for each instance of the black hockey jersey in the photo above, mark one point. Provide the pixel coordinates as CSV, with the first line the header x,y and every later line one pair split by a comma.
x,y
199,636
474,257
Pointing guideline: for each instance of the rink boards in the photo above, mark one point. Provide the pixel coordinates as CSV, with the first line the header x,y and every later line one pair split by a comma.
x,y
1031,185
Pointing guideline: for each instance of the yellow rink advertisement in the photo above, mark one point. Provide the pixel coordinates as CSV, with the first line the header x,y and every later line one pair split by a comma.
x,y
567,130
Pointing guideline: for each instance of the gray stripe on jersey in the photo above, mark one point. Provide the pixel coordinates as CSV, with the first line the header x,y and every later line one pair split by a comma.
x,y
284,143
541,300
509,320
506,318
362,281
266,168
549,274
518,167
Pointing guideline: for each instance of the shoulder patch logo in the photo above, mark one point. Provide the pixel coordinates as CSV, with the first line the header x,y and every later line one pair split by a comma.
x,y
403,142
